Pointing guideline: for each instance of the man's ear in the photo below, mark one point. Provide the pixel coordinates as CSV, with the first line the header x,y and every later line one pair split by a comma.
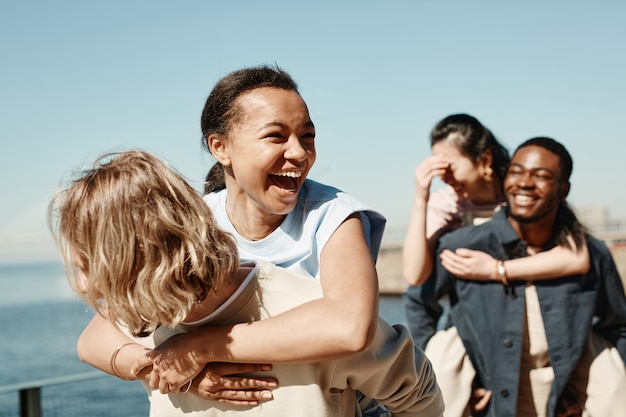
x,y
219,149
565,191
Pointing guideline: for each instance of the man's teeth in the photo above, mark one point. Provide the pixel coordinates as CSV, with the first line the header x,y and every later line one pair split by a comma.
x,y
291,174
523,198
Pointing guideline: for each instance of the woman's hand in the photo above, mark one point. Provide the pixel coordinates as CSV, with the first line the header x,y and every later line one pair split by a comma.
x,y
223,382
431,167
174,362
479,400
469,264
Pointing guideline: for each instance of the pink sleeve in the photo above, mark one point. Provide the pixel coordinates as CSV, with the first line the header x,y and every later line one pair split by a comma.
x,y
442,212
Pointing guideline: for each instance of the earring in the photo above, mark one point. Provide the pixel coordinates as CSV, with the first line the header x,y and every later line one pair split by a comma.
x,y
488,174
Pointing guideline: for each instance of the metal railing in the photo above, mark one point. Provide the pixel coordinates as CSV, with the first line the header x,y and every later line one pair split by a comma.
x,y
30,392
31,399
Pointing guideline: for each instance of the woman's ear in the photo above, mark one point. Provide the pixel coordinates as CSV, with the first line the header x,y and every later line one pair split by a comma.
x,y
484,165
219,149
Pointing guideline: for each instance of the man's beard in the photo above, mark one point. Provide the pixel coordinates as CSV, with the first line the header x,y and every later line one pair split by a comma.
x,y
526,219
533,218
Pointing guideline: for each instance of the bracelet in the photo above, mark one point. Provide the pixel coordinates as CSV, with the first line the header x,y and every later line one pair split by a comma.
x,y
185,388
501,272
114,368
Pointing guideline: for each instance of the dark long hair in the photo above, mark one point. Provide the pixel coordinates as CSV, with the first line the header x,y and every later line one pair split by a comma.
x,y
473,140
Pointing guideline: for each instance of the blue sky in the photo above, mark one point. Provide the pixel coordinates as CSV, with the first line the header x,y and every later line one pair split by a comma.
x,y
83,78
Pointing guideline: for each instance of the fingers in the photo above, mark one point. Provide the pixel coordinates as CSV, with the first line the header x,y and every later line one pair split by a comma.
x,y
250,397
481,398
238,391
215,383
452,262
141,363
224,368
237,383
221,383
431,167
463,252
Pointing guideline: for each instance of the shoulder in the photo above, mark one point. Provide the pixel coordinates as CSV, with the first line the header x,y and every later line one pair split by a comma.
x,y
316,194
444,199
215,199
442,211
596,244
597,248
322,209
319,200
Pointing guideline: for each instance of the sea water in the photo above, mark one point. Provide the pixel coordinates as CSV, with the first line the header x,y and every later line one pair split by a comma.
x,y
41,319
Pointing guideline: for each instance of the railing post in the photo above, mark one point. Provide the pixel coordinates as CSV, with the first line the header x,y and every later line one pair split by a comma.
x,y
30,402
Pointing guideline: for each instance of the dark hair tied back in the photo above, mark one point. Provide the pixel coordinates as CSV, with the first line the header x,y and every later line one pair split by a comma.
x,y
472,139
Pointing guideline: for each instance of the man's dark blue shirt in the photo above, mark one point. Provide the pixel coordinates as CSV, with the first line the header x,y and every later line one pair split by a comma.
x,y
490,316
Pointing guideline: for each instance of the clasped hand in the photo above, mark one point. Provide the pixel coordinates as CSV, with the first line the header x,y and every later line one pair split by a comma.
x,y
174,365
469,264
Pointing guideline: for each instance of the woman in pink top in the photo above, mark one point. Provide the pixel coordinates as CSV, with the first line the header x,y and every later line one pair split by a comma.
x,y
472,163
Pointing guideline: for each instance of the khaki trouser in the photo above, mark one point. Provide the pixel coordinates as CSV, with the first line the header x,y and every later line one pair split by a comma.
x,y
599,380
453,369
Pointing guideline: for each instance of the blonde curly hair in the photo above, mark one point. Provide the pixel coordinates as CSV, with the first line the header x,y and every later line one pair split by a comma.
x,y
144,238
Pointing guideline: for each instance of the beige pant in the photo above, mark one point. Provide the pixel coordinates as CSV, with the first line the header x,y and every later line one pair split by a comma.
x,y
599,380
453,369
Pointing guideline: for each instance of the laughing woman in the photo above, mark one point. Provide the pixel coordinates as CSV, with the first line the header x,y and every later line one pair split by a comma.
x,y
257,126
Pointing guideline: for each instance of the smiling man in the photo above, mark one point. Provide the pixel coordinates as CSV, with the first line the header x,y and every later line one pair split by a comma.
x,y
545,348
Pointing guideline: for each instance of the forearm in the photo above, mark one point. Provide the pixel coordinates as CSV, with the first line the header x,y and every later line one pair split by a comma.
x,y
98,342
340,320
417,260
314,331
554,263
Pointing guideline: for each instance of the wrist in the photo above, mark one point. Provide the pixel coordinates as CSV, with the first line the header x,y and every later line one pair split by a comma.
x,y
419,202
208,344
122,357
501,272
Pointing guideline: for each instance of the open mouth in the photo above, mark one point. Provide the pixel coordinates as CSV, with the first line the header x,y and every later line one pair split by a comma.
x,y
286,180
523,199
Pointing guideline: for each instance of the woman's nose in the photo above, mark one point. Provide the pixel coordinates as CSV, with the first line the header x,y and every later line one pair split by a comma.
x,y
295,151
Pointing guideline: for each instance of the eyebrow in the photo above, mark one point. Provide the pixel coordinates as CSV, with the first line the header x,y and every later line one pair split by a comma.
x,y
282,125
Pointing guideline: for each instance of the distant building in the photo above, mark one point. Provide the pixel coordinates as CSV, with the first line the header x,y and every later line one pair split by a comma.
x,y
593,217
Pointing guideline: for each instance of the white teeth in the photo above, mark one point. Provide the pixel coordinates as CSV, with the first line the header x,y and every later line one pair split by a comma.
x,y
291,174
523,198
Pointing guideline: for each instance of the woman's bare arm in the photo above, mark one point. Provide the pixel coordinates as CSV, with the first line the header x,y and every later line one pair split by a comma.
x,y
417,250
557,262
417,258
217,381
341,323
98,342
